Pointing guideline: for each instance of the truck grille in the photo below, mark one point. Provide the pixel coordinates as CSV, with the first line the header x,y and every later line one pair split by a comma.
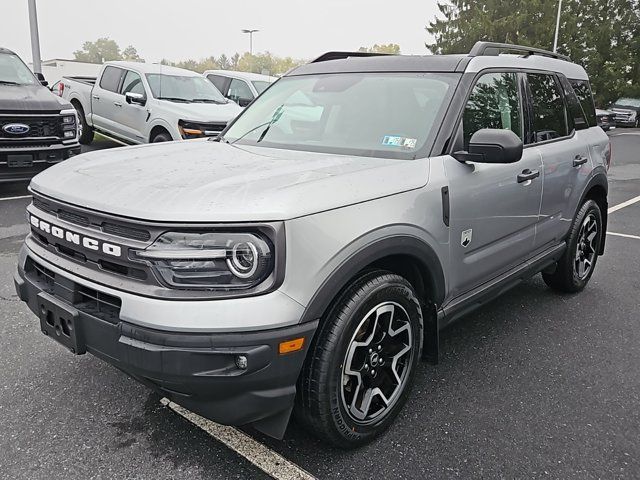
x,y
39,127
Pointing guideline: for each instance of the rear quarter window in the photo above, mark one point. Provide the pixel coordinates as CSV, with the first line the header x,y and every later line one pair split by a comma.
x,y
583,92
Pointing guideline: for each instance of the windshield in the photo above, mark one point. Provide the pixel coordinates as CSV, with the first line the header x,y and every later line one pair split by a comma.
x,y
260,86
180,88
387,115
628,102
14,72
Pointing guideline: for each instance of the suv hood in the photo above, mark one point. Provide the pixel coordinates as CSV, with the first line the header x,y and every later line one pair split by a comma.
x,y
30,99
204,181
204,112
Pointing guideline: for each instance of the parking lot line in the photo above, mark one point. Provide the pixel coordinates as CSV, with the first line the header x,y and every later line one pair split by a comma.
x,y
625,235
15,198
631,201
261,456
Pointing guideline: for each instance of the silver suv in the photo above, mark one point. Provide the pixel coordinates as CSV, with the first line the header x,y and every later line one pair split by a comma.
x,y
307,258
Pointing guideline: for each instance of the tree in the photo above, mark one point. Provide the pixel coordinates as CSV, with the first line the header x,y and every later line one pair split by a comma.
x,y
224,62
602,35
130,53
390,48
102,50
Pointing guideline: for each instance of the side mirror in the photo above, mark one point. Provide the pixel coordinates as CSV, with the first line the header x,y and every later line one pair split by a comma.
x,y
41,79
492,145
135,98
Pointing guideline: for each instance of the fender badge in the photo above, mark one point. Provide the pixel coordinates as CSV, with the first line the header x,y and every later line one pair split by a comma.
x,y
465,240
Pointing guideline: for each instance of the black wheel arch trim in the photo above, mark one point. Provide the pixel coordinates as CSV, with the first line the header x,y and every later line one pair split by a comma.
x,y
597,180
407,245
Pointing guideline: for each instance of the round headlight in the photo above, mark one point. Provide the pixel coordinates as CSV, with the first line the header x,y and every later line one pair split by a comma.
x,y
244,260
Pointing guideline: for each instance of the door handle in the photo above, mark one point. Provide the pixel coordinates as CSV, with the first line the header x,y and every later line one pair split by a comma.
x,y
528,175
117,104
96,97
580,160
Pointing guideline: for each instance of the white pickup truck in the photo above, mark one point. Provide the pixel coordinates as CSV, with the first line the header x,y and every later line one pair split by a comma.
x,y
143,103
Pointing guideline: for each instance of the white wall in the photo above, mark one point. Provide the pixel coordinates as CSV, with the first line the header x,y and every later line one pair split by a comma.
x,y
63,68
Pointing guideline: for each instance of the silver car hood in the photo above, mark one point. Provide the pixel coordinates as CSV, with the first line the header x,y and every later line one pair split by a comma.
x,y
204,181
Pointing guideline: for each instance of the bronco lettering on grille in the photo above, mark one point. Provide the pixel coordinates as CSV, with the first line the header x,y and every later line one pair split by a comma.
x,y
75,238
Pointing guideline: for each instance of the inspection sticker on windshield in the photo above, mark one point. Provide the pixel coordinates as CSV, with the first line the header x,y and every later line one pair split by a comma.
x,y
396,141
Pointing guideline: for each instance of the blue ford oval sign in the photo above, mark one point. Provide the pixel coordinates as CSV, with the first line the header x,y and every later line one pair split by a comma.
x,y
16,128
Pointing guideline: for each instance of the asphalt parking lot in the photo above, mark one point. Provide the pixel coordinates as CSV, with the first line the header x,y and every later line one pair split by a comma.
x,y
534,384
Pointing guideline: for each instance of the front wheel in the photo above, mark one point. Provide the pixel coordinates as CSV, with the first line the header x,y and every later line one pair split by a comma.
x,y
361,365
161,137
85,132
575,267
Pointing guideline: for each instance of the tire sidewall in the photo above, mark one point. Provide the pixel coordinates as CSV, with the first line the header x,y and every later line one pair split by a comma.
x,y
588,207
396,291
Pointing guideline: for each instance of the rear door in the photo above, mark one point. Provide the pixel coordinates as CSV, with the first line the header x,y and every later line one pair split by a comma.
x,y
493,215
559,131
240,92
104,97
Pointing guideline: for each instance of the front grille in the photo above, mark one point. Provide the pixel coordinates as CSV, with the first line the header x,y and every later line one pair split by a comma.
x,y
71,217
38,126
85,299
212,128
125,231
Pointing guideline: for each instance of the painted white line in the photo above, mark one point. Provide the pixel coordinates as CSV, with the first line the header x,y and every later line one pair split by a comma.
x,y
625,235
260,455
624,204
15,198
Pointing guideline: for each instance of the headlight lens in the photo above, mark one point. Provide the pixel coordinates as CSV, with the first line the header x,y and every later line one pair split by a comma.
x,y
213,261
69,119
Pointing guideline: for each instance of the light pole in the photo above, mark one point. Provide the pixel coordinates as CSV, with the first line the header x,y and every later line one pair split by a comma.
x,y
555,40
35,37
250,32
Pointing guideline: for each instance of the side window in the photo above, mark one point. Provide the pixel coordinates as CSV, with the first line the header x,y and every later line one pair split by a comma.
x,y
132,83
577,119
494,103
220,82
549,113
239,91
111,79
583,92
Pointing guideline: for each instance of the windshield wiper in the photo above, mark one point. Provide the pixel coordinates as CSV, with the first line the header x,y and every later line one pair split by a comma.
x,y
174,99
277,114
208,100
9,82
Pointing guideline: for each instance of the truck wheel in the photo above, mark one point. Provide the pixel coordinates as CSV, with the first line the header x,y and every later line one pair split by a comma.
x,y
85,132
161,137
361,364
575,267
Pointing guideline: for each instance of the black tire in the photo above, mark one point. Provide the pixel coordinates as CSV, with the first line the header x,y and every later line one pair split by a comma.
x,y
327,380
161,137
87,133
568,276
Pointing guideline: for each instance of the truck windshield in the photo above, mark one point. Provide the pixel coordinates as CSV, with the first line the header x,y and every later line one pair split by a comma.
x,y
389,115
181,88
14,72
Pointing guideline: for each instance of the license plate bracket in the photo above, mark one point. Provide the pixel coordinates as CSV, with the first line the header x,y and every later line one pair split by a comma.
x,y
61,322
20,160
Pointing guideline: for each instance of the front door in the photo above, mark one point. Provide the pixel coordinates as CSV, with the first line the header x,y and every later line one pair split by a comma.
x,y
132,117
493,213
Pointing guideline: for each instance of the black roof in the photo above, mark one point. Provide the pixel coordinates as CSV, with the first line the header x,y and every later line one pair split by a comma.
x,y
381,63
6,50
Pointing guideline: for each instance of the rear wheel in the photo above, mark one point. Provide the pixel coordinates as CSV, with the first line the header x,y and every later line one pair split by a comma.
x,y
361,365
576,265
85,132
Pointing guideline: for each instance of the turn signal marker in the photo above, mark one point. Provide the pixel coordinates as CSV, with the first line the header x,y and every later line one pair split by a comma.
x,y
291,345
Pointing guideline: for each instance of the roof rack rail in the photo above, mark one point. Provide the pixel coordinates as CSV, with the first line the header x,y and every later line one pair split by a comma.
x,y
481,49
325,57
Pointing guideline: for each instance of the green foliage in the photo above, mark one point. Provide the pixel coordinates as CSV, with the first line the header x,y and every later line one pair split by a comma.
x,y
259,63
102,50
602,35
131,54
390,48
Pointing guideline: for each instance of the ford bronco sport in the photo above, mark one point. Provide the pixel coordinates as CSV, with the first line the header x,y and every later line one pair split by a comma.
x,y
306,258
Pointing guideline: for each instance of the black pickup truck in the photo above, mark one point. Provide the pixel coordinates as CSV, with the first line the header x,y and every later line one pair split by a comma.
x,y
37,128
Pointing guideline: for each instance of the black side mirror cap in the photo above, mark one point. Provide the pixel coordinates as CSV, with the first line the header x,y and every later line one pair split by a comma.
x,y
41,79
492,145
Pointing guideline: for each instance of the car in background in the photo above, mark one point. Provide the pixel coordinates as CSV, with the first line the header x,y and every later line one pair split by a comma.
x,y
241,87
133,103
627,112
37,129
606,119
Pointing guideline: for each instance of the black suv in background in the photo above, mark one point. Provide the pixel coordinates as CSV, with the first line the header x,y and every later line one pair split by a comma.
x,y
37,128
627,111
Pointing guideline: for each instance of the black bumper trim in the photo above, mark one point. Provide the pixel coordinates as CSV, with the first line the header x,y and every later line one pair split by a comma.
x,y
198,370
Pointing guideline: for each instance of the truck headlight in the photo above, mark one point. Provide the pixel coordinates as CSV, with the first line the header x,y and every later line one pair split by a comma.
x,y
210,261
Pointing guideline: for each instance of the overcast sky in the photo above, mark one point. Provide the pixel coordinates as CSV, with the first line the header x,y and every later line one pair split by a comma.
x,y
184,29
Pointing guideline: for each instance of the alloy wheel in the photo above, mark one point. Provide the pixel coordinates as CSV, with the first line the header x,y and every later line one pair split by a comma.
x,y
586,246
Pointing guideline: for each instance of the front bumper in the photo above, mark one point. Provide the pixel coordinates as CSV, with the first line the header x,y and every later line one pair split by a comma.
x,y
195,369
42,157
